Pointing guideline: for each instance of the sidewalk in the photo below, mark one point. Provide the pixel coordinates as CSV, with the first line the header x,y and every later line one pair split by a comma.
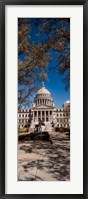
x,y
41,161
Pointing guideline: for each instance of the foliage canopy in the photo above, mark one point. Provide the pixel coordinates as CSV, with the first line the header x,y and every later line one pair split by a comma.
x,y
34,55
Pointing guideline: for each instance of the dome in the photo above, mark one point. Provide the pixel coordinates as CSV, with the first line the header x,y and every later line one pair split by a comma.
x,y
43,97
43,90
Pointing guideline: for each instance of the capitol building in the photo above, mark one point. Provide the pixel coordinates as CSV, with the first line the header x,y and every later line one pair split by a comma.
x,y
43,109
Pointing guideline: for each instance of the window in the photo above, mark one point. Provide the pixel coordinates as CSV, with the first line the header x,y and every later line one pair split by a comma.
x,y
23,115
67,115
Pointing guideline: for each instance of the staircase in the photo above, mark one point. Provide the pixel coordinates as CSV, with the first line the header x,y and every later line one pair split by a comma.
x,y
48,126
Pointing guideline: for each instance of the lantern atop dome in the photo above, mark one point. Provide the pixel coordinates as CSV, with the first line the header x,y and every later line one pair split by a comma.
x,y
43,84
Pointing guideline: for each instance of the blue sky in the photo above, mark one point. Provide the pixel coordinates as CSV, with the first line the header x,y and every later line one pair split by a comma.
x,y
54,83
56,88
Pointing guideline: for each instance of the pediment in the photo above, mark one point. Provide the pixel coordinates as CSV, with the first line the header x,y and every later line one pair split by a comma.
x,y
42,106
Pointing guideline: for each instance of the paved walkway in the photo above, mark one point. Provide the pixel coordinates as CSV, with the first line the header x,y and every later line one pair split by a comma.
x,y
43,161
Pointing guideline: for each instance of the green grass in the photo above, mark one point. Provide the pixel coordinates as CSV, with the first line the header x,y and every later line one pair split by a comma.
x,y
21,130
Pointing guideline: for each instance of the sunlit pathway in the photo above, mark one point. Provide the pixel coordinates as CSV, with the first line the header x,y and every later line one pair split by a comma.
x,y
43,161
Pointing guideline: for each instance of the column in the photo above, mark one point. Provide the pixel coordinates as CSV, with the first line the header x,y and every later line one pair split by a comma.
x,y
34,116
37,116
45,115
45,101
49,116
48,102
41,115
39,101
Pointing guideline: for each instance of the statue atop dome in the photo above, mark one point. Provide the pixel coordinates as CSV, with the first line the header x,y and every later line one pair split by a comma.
x,y
43,84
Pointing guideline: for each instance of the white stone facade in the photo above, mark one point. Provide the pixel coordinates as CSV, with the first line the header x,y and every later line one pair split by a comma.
x,y
43,109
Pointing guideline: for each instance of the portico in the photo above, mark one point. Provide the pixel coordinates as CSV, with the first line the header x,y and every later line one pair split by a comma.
x,y
44,115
